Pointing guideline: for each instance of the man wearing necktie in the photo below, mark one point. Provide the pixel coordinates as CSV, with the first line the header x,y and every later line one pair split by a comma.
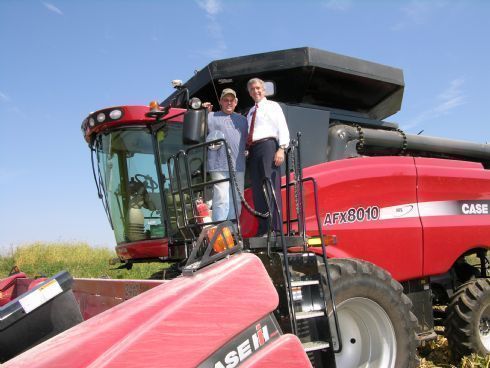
x,y
268,138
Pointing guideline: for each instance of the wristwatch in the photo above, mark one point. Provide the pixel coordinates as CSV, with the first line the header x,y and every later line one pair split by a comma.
x,y
283,146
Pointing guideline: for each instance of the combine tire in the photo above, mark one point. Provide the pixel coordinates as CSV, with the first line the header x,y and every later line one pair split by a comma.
x,y
375,318
467,325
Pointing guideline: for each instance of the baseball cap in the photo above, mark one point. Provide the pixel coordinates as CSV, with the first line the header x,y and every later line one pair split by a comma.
x,y
228,91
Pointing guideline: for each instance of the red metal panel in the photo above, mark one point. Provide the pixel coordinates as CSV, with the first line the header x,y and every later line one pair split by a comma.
x,y
248,222
9,281
97,295
177,324
443,186
369,184
364,184
285,352
132,115
154,248
9,287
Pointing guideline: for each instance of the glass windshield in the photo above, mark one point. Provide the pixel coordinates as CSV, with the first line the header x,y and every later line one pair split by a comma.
x,y
129,178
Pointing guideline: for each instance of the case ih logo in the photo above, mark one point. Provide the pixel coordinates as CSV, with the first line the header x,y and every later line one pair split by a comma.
x,y
245,348
241,347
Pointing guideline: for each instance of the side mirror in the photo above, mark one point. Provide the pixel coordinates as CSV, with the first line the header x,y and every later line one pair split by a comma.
x,y
194,126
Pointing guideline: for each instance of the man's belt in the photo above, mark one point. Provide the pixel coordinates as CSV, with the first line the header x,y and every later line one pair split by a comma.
x,y
262,140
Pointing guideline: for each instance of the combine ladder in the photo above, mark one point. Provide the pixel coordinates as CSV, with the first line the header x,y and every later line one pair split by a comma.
x,y
295,272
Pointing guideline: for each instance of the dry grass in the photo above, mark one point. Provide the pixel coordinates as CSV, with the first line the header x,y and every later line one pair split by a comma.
x,y
436,354
80,259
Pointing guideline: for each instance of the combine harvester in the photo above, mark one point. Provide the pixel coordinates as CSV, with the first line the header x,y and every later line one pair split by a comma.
x,y
380,227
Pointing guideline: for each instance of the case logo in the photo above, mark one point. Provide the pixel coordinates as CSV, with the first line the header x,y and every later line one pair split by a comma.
x,y
475,208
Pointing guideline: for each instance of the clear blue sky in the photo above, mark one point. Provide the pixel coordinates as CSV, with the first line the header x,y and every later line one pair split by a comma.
x,y
61,60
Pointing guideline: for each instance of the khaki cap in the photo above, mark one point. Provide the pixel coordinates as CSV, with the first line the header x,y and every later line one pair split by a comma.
x,y
228,91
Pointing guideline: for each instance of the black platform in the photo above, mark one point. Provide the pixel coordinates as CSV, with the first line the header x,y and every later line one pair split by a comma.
x,y
261,242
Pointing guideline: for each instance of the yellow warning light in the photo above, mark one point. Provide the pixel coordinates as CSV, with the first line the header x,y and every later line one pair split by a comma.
x,y
154,106
224,240
317,242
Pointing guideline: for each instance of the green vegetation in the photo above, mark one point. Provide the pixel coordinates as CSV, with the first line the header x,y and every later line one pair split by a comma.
x,y
80,259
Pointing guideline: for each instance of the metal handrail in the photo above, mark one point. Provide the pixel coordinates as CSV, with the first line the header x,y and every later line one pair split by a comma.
x,y
325,262
268,193
178,190
231,177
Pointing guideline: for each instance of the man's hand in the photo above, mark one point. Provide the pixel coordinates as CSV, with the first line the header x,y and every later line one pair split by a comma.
x,y
279,157
208,106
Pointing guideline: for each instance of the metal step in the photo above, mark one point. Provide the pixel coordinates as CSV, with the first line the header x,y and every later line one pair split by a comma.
x,y
312,314
275,241
304,283
315,345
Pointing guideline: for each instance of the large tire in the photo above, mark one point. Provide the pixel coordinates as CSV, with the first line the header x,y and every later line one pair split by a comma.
x,y
375,318
467,325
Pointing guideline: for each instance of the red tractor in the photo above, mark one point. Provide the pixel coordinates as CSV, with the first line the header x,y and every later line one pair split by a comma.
x,y
380,227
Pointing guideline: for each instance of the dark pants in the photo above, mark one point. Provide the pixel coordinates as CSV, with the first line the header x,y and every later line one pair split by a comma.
x,y
261,165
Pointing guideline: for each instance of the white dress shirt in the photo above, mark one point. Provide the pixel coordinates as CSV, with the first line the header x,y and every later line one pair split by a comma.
x,y
269,122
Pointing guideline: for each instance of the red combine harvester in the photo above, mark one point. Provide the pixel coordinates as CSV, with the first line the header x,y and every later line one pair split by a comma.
x,y
385,233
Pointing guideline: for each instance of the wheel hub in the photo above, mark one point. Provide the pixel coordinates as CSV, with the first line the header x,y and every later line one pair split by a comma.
x,y
368,336
485,328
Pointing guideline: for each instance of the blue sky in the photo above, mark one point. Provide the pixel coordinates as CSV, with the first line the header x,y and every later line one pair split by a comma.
x,y
61,60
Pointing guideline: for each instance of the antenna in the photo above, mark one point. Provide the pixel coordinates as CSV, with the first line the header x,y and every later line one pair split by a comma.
x,y
214,86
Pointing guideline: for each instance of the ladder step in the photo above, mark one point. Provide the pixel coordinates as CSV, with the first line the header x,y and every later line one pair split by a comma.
x,y
312,314
315,345
304,283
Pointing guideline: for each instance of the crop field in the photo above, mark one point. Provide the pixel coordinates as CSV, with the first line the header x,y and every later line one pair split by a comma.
x,y
82,260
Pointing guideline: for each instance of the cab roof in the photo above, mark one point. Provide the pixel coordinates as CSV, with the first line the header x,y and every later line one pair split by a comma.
x,y
305,76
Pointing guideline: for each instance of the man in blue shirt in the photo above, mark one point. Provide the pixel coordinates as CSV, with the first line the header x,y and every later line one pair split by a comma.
x,y
234,129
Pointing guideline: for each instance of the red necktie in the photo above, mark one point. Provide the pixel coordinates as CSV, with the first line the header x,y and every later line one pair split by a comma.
x,y
252,123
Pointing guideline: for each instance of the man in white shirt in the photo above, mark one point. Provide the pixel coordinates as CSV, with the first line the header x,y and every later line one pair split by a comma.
x,y
268,138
